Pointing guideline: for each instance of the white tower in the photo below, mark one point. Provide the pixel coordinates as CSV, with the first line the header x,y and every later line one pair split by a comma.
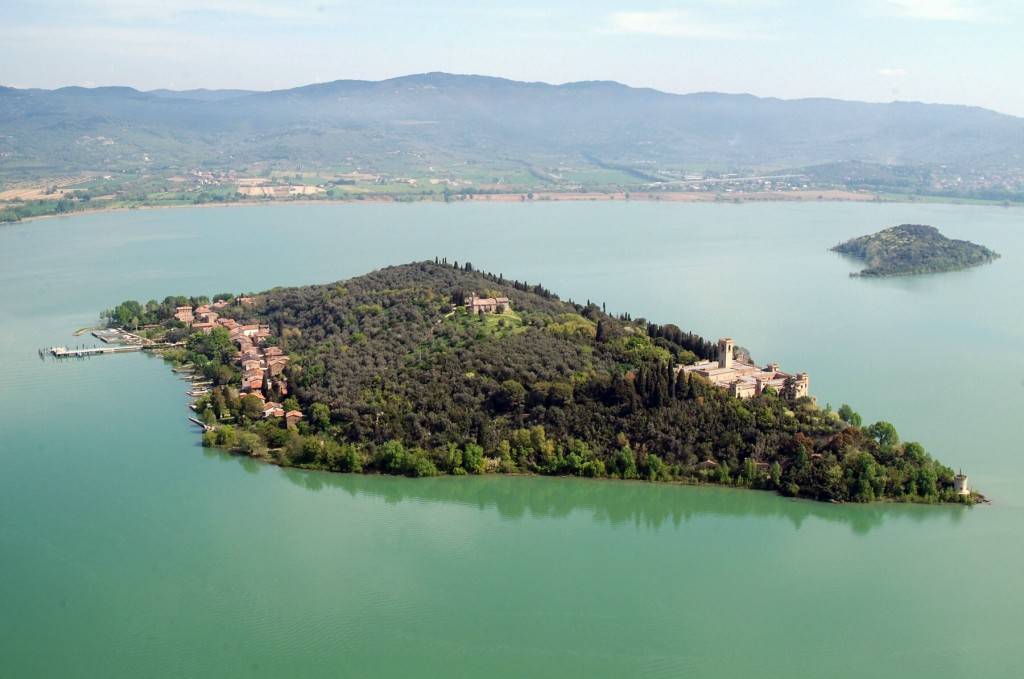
x,y
960,484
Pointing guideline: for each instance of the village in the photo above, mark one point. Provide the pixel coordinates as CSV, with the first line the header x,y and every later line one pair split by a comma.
x,y
262,365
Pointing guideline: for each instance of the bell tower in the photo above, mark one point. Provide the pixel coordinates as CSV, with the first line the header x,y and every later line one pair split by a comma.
x,y
725,347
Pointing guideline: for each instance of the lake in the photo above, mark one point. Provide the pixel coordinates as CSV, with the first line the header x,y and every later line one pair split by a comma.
x,y
128,550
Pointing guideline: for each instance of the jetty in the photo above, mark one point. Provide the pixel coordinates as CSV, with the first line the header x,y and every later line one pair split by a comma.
x,y
82,352
64,352
206,427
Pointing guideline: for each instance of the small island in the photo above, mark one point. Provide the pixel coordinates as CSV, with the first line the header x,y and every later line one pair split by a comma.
x,y
910,249
435,368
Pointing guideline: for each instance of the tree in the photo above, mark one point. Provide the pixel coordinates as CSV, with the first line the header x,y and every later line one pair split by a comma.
x,y
927,481
320,415
849,415
864,482
473,459
252,407
884,433
914,452
625,463
655,468
249,443
510,396
215,346
749,470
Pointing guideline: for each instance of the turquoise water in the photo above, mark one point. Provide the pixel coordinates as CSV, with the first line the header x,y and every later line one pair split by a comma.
x,y
129,551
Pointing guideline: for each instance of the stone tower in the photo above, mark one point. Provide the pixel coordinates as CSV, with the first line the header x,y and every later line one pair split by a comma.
x,y
725,347
803,385
960,484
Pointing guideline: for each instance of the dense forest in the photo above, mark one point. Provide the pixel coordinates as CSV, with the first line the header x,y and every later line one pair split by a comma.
x,y
913,249
394,375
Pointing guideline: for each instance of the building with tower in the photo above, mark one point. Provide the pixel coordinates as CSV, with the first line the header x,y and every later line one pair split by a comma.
x,y
744,379
960,484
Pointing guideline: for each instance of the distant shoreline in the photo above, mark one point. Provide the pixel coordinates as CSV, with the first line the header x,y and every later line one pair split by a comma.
x,y
803,196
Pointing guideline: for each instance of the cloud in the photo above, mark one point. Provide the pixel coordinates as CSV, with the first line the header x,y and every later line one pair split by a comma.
x,y
939,10
892,72
673,24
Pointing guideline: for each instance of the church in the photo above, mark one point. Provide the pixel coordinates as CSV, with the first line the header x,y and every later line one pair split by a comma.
x,y
745,380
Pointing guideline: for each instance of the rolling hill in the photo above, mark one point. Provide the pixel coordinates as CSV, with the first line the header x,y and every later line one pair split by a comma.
x,y
417,120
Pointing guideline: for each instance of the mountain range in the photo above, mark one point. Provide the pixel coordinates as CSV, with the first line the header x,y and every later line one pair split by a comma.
x,y
438,118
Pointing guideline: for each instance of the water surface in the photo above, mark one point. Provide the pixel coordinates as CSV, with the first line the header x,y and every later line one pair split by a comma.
x,y
129,551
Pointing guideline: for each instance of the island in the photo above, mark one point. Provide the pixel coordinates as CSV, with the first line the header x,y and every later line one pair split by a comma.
x,y
910,249
436,368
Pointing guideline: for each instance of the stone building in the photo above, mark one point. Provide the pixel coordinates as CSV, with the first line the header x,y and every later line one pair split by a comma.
x,y
744,379
184,314
487,305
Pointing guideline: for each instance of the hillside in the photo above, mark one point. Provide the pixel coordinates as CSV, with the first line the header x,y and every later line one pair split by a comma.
x,y
390,372
436,118
910,249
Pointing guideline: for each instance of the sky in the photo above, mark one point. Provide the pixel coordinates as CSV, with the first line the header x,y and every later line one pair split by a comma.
x,y
948,51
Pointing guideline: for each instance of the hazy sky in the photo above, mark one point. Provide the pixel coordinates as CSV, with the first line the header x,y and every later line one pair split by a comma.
x,y
953,51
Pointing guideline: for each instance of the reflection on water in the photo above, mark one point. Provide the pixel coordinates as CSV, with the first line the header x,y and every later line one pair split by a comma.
x,y
652,505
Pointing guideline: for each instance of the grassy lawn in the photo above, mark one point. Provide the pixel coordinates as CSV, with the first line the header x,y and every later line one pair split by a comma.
x,y
490,325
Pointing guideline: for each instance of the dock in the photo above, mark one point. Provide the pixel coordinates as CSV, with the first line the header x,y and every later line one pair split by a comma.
x,y
64,352
202,424
82,352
